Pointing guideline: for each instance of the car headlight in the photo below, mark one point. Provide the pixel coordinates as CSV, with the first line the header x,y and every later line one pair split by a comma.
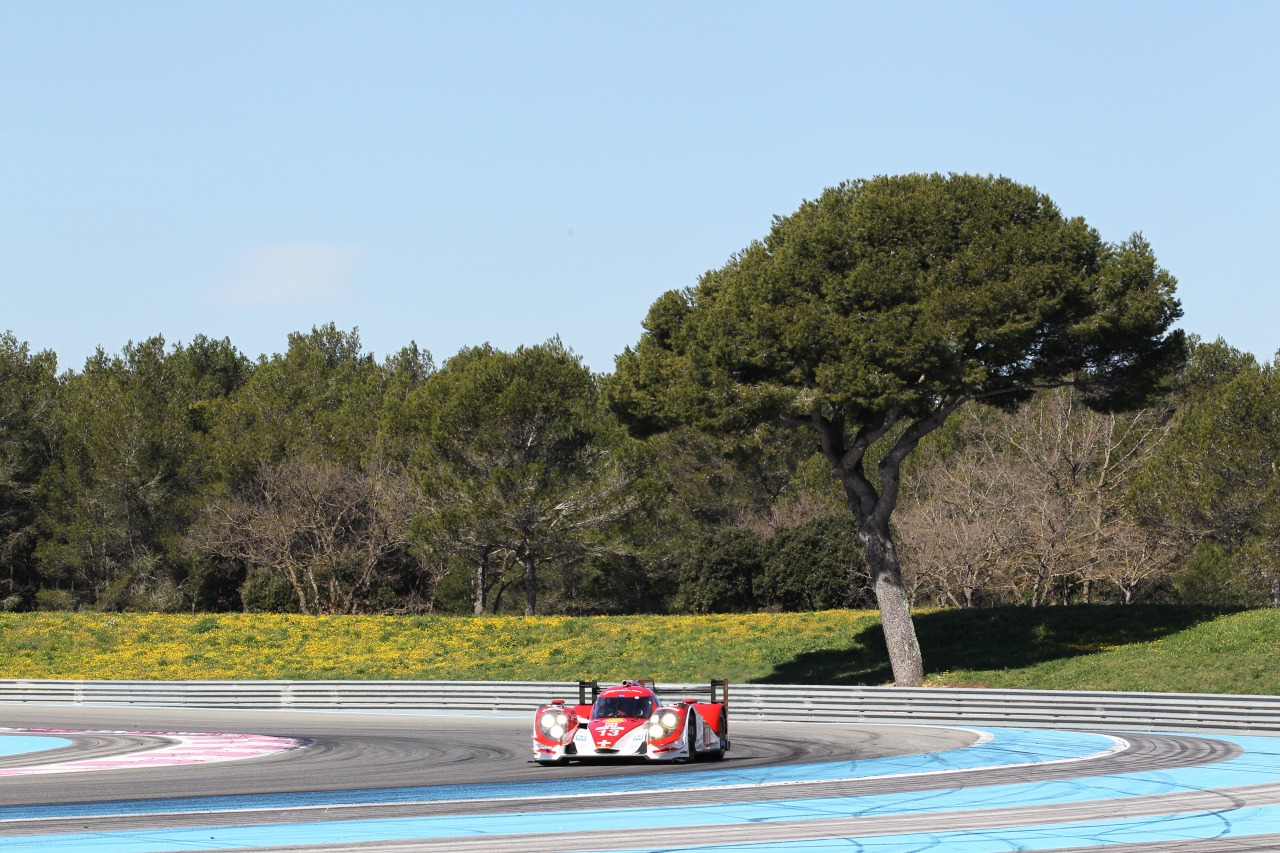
x,y
553,723
664,724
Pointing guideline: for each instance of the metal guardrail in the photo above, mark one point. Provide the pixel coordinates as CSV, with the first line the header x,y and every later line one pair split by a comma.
x,y
930,706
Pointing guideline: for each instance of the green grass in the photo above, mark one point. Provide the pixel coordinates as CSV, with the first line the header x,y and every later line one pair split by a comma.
x,y
1179,649
1162,649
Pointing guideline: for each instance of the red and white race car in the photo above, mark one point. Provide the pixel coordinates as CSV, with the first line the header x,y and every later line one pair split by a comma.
x,y
630,720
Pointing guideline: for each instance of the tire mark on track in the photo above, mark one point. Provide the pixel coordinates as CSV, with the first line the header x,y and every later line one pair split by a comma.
x,y
870,832
389,752
84,746
393,754
1143,753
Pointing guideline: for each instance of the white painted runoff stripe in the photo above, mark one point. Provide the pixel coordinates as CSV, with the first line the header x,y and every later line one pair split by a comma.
x,y
178,748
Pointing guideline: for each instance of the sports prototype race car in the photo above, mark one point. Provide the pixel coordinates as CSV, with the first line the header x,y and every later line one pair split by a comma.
x,y
629,720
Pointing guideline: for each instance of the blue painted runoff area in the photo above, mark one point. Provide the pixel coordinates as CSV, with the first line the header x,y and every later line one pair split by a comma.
x,y
999,747
1159,829
22,744
1164,829
1259,764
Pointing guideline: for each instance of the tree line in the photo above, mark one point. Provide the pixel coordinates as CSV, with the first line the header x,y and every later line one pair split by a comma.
x,y
823,369
320,480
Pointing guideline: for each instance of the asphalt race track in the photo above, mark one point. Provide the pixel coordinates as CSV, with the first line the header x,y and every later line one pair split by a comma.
x,y
136,780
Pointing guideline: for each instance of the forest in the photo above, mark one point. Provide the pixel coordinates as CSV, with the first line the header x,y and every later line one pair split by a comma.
x,y
319,480
1041,435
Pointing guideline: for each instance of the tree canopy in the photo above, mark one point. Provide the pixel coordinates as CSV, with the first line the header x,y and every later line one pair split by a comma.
x,y
896,294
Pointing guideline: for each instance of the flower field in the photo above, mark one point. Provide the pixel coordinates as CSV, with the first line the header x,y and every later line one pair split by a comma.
x,y
1138,647
145,646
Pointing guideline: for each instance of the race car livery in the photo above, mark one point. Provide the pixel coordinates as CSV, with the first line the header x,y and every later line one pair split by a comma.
x,y
629,720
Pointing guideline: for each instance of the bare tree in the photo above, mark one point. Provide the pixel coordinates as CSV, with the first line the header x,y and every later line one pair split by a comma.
x,y
962,530
1083,461
330,530
1031,511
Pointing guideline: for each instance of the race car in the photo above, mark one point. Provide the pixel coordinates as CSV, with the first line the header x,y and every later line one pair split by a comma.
x,y
629,720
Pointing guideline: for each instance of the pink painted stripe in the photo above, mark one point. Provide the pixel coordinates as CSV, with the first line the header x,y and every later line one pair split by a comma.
x,y
181,748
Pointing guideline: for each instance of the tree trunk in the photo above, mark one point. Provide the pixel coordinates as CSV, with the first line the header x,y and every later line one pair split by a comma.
x,y
481,581
530,585
872,510
895,610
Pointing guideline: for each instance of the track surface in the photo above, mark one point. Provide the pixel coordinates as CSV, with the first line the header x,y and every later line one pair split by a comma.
x,y
395,782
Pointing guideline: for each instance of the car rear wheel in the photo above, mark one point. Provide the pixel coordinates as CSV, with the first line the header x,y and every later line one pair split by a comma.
x,y
718,753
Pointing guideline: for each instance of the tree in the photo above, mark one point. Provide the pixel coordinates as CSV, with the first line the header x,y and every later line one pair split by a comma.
x,y
283,444
1216,480
406,371
1031,507
691,485
28,393
125,481
961,523
873,313
330,530
514,462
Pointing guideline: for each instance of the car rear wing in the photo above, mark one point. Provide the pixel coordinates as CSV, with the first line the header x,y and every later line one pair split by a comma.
x,y
589,691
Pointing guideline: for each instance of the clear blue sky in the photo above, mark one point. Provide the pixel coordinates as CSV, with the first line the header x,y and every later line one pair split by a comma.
x,y
456,173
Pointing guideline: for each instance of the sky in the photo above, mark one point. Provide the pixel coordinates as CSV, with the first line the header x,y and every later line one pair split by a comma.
x,y
453,174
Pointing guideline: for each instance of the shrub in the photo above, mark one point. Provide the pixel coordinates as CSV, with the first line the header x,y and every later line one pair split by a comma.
x,y
720,575
816,565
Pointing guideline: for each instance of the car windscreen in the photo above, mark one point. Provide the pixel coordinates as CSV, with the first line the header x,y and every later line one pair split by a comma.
x,y
633,707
